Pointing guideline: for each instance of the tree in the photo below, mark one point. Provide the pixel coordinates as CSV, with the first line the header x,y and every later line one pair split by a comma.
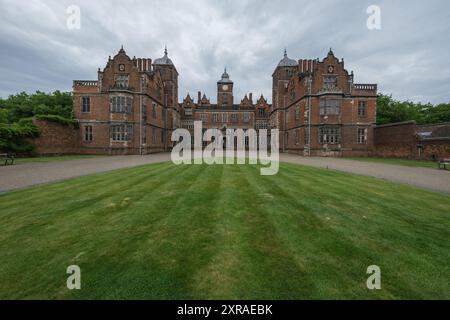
x,y
390,111
23,105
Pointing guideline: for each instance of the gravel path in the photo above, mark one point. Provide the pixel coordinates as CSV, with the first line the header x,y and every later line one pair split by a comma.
x,y
24,175
428,178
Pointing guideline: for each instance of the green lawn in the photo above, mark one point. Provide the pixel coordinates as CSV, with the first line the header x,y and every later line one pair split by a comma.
x,y
52,158
399,162
191,232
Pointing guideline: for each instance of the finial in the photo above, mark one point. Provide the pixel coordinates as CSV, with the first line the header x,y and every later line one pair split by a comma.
x,y
165,49
225,71
121,47
285,52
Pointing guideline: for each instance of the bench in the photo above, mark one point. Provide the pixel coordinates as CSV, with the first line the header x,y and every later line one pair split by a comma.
x,y
7,157
443,163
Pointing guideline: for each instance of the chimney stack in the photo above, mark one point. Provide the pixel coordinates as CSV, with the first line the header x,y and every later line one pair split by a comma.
x,y
199,94
250,96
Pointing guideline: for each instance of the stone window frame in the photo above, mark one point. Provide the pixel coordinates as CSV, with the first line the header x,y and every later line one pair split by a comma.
x,y
261,124
297,113
88,133
327,106
330,83
262,112
361,135
296,136
362,108
85,108
330,134
121,132
121,80
234,118
246,117
121,103
203,117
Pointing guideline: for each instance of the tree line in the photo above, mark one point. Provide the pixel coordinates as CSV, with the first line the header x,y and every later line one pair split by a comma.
x,y
390,110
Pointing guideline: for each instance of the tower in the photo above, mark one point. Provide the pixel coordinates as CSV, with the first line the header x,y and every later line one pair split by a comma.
x,y
169,76
224,90
284,72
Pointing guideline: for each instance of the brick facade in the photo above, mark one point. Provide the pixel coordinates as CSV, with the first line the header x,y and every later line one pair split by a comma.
x,y
320,111
130,109
133,107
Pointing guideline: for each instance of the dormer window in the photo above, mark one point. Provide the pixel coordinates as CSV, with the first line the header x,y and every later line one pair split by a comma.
x,y
262,112
121,81
329,83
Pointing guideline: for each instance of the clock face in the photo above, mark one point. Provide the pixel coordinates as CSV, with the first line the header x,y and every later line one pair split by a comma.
x,y
225,87
330,69
121,67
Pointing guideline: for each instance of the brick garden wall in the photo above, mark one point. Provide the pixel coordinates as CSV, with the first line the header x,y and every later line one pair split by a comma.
x,y
400,140
397,140
56,138
436,149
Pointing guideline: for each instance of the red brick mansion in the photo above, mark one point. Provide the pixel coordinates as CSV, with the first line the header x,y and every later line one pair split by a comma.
x,y
133,107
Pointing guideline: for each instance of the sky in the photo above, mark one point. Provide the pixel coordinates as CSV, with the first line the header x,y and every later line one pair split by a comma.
x,y
41,47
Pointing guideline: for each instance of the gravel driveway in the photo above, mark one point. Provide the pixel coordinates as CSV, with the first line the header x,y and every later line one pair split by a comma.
x,y
428,178
24,175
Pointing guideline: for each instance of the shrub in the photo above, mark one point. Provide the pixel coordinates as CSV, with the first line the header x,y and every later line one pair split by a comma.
x,y
14,137
58,119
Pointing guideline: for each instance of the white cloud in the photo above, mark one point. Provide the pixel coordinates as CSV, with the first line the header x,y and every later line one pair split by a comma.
x,y
407,57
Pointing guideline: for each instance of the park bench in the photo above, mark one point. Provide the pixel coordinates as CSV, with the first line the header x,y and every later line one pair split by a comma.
x,y
443,163
7,157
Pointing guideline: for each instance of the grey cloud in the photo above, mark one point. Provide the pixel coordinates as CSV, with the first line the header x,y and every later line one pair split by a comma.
x,y
407,57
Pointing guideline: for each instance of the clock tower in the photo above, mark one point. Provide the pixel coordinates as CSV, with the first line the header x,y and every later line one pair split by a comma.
x,y
225,91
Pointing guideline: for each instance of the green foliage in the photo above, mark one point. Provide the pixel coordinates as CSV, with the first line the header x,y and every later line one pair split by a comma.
x,y
13,137
3,116
17,111
58,119
23,105
390,111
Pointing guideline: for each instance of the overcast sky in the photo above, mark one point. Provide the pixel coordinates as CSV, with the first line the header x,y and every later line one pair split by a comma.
x,y
408,57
